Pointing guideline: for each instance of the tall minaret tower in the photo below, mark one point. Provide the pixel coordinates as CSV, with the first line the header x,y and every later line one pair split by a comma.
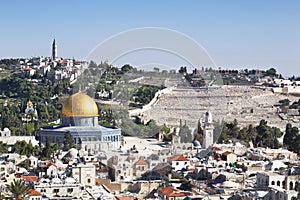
x,y
54,50
208,133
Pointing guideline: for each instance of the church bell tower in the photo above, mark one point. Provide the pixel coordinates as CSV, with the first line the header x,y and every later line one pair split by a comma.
x,y
54,50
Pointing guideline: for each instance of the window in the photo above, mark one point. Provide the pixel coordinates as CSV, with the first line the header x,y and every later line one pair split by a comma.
x,y
278,183
89,180
70,190
273,183
55,190
291,185
177,163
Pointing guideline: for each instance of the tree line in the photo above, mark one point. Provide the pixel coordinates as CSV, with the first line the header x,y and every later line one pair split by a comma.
x,y
262,135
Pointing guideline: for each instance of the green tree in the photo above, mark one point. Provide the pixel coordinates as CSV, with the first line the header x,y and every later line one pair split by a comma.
x,y
68,141
199,128
292,139
92,64
46,150
185,134
288,136
198,133
271,72
223,138
167,137
126,68
182,70
18,188
165,129
23,148
3,147
263,134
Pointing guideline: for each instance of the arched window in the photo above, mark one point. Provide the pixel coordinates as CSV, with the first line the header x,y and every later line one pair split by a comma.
x,y
278,183
273,183
297,185
291,185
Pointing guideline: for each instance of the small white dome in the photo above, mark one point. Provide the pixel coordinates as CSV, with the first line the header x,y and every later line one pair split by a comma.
x,y
73,153
32,158
44,180
229,184
82,153
70,180
56,181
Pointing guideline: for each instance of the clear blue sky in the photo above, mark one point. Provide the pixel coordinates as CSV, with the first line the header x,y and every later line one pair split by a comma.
x,y
237,34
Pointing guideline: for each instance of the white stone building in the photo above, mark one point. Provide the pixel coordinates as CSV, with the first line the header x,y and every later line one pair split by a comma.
x,y
85,174
178,162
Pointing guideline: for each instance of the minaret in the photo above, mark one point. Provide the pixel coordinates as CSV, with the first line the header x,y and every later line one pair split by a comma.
x,y
54,50
208,133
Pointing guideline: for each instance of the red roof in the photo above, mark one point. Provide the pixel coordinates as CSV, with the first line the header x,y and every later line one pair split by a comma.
x,y
170,191
30,178
178,158
141,162
51,163
167,190
226,153
177,194
124,198
27,69
43,66
34,193
216,149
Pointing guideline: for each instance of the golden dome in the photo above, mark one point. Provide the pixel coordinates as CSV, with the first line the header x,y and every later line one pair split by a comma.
x,y
29,103
80,105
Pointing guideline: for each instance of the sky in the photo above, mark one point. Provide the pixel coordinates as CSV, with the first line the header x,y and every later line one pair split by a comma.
x,y
236,34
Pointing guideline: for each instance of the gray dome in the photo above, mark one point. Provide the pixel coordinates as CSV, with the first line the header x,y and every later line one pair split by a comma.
x,y
196,143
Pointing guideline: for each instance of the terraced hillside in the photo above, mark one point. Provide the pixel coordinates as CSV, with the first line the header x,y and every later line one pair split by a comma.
x,y
247,104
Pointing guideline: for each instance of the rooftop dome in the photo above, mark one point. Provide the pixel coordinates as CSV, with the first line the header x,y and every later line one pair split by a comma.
x,y
56,180
70,180
196,143
229,184
29,103
80,105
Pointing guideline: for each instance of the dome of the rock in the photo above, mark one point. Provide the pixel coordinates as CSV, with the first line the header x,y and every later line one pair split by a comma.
x,y
80,105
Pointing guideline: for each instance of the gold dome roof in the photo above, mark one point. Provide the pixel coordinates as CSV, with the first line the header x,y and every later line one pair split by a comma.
x,y
80,104
29,103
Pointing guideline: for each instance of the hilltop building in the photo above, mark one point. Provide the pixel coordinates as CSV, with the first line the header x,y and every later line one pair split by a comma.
x,y
80,118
